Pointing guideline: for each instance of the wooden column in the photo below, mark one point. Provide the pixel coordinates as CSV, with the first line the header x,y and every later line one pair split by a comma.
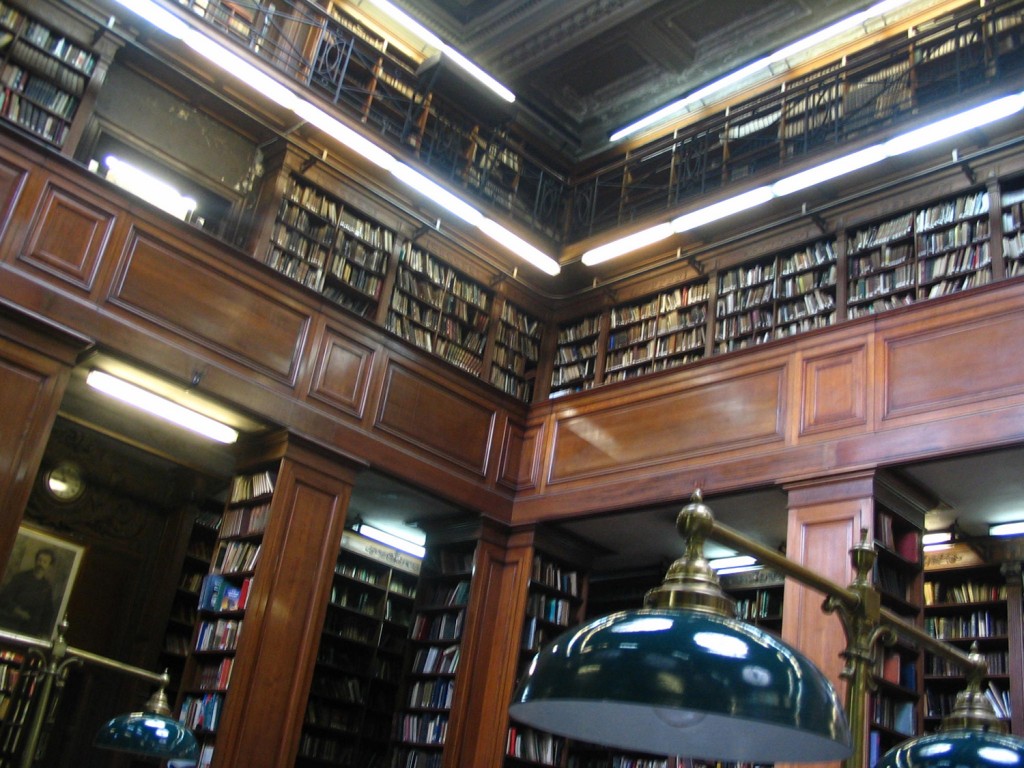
x,y
489,656
36,359
262,719
825,521
1015,626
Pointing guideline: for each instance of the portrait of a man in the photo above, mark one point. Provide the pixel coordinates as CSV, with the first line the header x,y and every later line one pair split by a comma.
x,y
36,586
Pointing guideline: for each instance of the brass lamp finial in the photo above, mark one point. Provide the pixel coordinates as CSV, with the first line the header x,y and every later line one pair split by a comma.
x,y
972,710
690,582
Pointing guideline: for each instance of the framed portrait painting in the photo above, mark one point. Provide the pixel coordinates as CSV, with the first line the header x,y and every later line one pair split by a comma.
x,y
36,587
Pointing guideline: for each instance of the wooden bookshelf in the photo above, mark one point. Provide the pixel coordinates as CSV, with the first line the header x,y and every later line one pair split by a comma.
x,y
576,353
662,331
432,661
353,696
1012,201
181,623
44,76
758,596
440,310
19,676
895,706
967,606
516,351
920,254
776,296
222,601
555,601
323,243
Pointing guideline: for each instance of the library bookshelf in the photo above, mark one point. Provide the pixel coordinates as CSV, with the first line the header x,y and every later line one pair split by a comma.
x,y
223,598
972,603
895,705
353,695
555,601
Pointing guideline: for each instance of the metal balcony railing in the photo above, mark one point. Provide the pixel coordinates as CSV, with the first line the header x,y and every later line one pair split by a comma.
x,y
958,57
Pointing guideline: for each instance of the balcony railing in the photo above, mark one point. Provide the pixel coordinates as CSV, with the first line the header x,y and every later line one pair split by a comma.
x,y
955,58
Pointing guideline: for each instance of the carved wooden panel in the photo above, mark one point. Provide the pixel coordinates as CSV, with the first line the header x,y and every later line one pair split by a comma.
x,y
67,237
834,390
342,372
455,426
210,307
954,365
722,415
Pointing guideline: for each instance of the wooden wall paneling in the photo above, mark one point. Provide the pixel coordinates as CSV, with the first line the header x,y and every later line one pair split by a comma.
x,y
739,408
243,321
262,718
490,648
68,235
834,393
14,176
35,366
343,368
458,426
953,363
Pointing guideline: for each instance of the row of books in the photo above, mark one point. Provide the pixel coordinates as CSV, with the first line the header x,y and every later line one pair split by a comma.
x,y
977,624
221,594
535,746
552,609
436,660
201,712
553,575
247,487
235,556
215,677
219,635
968,591
423,729
245,521
432,693
445,626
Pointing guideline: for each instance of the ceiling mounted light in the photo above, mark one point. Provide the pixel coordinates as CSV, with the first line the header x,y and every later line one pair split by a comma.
x,y
1015,528
683,677
161,407
391,539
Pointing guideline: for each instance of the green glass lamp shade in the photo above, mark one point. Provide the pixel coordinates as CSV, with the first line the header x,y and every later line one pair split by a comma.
x,y
666,681
957,749
148,734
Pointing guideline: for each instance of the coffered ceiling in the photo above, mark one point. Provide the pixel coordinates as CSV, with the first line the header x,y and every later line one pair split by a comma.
x,y
581,69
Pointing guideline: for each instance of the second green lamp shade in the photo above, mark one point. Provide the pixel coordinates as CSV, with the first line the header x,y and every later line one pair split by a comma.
x,y
689,683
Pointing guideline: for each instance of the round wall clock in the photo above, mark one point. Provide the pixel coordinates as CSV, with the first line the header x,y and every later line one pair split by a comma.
x,y
65,481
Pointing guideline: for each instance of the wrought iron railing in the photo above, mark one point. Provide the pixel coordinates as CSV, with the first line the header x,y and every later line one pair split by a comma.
x,y
958,57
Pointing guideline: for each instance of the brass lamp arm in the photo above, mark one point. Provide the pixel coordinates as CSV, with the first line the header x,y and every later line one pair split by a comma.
x,y
851,599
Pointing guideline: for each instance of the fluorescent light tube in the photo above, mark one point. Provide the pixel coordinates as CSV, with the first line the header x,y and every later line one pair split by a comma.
x,y
519,247
829,170
627,244
1007,529
384,537
147,186
938,537
720,210
433,40
161,407
955,124
737,561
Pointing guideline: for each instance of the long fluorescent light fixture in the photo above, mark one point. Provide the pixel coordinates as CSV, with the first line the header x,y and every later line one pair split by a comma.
x,y
391,539
147,186
1007,529
281,94
161,407
434,41
733,564
918,138
762,65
